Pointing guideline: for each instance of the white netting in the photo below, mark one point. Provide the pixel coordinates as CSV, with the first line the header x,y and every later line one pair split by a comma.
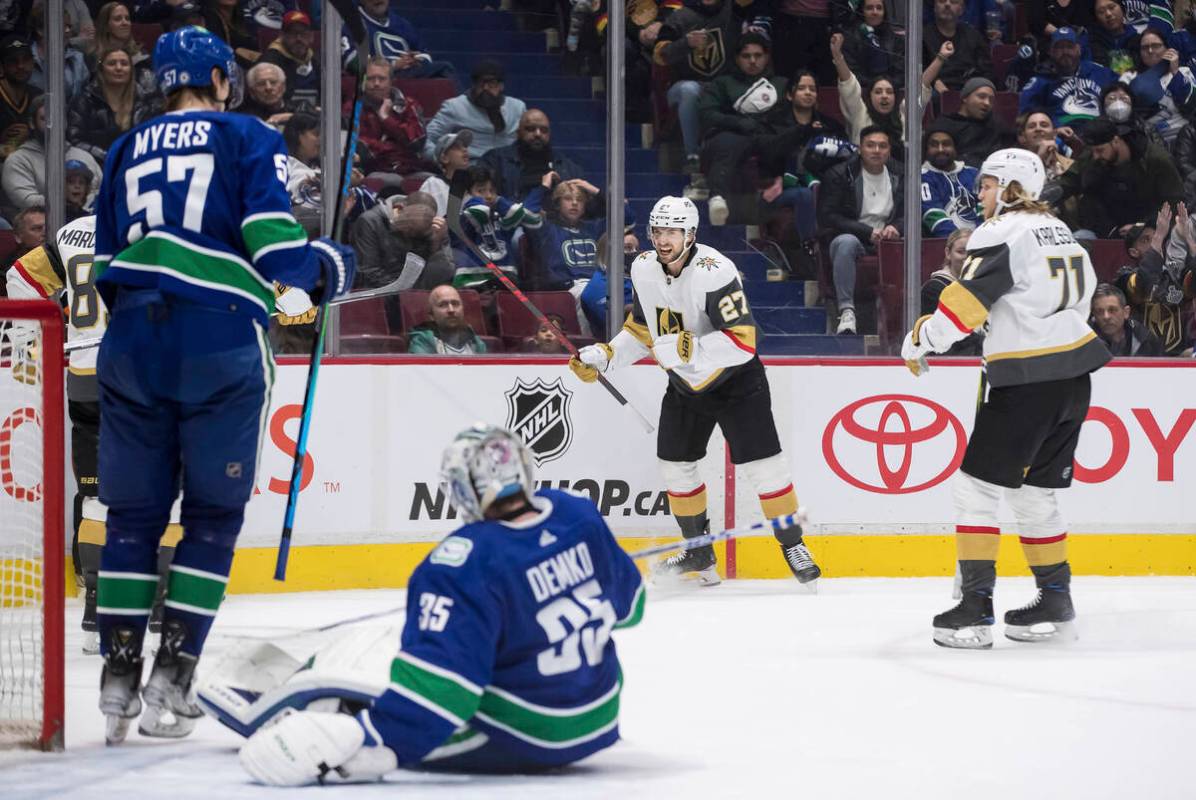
x,y
22,645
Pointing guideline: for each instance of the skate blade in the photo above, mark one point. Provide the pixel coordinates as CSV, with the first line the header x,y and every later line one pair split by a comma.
x,y
809,587
1043,632
702,577
161,723
974,637
115,729
91,643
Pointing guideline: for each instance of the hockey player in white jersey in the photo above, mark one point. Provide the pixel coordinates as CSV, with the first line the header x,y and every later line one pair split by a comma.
x,y
691,313
1028,284
61,270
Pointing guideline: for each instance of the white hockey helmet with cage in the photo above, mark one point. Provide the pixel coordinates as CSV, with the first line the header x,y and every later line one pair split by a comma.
x,y
674,212
1014,164
484,464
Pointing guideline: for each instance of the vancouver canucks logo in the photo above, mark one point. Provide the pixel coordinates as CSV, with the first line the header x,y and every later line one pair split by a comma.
x,y
539,413
668,321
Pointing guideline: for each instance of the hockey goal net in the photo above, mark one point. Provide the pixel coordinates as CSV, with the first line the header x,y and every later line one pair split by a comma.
x,y
32,563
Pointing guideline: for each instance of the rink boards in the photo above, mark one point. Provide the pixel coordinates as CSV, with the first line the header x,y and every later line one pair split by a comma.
x,y
872,451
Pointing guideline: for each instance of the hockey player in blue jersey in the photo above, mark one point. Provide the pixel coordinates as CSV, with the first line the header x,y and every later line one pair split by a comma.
x,y
193,233
506,663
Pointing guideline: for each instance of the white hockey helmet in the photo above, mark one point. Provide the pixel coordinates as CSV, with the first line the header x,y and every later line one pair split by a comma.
x,y
674,212
1014,164
483,464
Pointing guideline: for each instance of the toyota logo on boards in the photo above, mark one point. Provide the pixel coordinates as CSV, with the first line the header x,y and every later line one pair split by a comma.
x,y
888,444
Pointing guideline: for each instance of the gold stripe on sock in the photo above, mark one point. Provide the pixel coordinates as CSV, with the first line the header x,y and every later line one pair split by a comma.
x,y
1045,552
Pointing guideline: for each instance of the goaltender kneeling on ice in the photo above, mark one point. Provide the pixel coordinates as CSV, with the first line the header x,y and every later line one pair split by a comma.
x,y
506,662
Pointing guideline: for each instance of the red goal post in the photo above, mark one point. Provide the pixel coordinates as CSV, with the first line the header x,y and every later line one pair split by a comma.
x,y
32,524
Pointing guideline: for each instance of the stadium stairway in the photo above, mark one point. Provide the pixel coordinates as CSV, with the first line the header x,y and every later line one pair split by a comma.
x,y
536,75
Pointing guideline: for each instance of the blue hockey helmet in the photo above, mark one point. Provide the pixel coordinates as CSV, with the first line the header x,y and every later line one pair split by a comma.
x,y
185,57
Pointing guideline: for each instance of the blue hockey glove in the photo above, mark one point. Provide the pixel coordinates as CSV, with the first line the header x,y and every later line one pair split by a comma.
x,y
339,264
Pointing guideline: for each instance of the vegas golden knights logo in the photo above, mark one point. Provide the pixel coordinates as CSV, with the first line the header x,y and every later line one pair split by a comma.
x,y
668,321
709,60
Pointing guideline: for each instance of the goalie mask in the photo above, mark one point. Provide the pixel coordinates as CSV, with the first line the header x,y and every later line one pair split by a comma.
x,y
484,464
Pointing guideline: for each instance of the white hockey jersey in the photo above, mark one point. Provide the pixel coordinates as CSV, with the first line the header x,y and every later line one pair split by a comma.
x,y
1029,284
61,270
706,299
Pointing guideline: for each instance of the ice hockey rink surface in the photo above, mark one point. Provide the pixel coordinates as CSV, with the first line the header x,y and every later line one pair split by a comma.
x,y
753,689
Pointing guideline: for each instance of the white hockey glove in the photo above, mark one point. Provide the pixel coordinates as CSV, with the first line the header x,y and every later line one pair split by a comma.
x,y
915,348
293,306
674,349
591,360
310,746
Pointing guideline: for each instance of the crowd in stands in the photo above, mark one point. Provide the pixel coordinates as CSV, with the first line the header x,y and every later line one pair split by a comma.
x,y
790,115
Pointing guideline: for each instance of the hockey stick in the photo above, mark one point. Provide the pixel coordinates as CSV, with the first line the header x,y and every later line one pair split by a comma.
x,y
348,14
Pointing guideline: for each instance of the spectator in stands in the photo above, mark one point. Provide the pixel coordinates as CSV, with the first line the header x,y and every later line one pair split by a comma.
x,y
304,180
226,19
976,132
594,298
388,233
802,32
1185,160
949,200
872,48
266,95
520,167
74,70
1067,88
1158,283
735,110
81,29
1111,39
1123,335
110,105
643,24
1036,133
447,332
1120,178
490,222
452,159
394,38
29,227
876,104
391,128
693,43
185,13
292,51
1117,102
545,341
77,195
16,95
970,58
24,172
954,253
114,31
484,109
1050,15
861,203
1164,92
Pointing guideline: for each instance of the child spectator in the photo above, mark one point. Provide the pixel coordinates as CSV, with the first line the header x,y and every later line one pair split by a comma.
x,y
545,341
491,222
953,257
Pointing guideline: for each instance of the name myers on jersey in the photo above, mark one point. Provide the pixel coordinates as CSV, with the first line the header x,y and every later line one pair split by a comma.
x,y
1052,236
428,501
562,572
171,136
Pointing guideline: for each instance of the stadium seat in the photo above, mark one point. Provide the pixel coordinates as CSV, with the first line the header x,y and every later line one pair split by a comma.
x,y
266,36
828,103
8,248
1004,106
516,323
1108,256
413,306
1003,55
146,35
430,93
364,329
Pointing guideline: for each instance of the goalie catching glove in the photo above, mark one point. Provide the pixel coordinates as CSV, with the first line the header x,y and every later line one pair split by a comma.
x,y
315,747
591,360
916,347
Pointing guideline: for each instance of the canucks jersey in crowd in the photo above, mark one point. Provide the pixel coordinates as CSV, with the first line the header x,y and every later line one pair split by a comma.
x,y
197,207
1071,100
949,199
507,645
492,229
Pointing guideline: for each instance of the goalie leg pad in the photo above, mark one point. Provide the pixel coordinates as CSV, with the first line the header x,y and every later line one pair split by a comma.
x,y
314,747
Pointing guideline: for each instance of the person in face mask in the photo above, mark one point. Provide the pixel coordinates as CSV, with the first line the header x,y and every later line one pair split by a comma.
x,y
24,174
1164,91
594,299
484,109
1118,106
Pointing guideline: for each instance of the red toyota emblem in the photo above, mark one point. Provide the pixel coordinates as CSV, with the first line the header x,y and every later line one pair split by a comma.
x,y
894,428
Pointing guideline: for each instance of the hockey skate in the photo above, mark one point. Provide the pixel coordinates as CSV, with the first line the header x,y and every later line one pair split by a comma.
x,y
119,684
170,709
1050,617
91,630
697,565
968,626
802,565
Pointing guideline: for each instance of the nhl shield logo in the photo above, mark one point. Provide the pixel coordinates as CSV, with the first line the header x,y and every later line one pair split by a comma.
x,y
539,413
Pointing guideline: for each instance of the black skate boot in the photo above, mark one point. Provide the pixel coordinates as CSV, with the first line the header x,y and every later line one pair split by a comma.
x,y
698,564
91,629
969,625
1050,617
120,682
170,710
797,555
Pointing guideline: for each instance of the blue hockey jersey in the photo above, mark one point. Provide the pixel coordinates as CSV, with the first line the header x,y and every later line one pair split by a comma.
x,y
195,203
1070,101
508,637
949,199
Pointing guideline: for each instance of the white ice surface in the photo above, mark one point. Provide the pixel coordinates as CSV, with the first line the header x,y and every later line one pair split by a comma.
x,y
752,689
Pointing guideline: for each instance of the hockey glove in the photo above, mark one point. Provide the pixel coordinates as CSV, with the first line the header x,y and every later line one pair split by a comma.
x,y
293,306
24,363
591,360
338,263
674,349
915,347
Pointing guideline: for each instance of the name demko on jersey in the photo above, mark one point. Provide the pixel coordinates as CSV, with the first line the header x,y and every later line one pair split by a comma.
x,y
706,299
1029,284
